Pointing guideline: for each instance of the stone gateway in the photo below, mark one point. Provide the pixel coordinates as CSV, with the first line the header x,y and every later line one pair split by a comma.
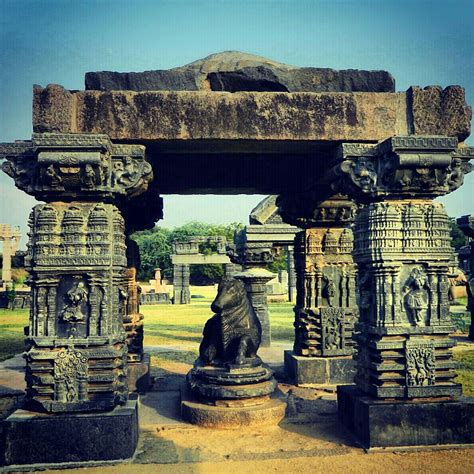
x,y
356,167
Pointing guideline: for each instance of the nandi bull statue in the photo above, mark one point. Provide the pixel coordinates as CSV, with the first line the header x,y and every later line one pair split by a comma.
x,y
228,374
232,336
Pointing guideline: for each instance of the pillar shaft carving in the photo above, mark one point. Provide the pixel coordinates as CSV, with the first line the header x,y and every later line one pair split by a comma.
x,y
402,251
326,309
466,223
76,344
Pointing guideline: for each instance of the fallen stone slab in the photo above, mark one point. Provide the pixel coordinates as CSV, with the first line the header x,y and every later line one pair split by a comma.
x,y
233,71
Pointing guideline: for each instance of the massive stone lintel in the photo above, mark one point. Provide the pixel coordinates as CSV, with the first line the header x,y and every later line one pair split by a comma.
x,y
298,116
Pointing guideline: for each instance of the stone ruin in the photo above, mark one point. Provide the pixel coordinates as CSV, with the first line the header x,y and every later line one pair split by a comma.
x,y
186,253
358,167
10,239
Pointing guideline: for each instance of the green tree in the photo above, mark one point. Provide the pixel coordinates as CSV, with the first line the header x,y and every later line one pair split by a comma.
x,y
457,235
155,251
156,247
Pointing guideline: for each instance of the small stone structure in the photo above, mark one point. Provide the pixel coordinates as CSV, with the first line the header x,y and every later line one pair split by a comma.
x,y
10,239
254,248
186,253
230,382
466,223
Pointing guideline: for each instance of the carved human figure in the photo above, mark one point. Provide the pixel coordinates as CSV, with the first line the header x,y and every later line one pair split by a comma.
x,y
416,298
332,335
52,177
329,290
89,178
75,298
232,336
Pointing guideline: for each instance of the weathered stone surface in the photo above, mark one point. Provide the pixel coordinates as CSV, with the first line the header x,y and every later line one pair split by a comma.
x,y
306,79
247,115
308,371
235,71
167,80
435,109
269,413
138,375
32,438
205,115
380,423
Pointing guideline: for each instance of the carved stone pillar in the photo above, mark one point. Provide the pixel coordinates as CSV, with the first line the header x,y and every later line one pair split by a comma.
x,y
182,294
231,269
466,223
402,251
254,258
255,281
326,309
76,347
290,265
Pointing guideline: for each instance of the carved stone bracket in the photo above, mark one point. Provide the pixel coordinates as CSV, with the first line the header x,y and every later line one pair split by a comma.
x,y
65,166
400,167
308,210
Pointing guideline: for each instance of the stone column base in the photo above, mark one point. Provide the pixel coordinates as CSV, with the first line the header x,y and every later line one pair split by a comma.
x,y
38,438
303,370
138,375
234,415
382,423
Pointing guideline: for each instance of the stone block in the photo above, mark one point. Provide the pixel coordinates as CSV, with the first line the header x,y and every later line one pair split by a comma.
x,y
388,423
259,412
38,438
319,370
138,375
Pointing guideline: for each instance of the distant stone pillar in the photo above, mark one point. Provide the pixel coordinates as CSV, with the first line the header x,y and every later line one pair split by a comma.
x,y
231,269
7,262
466,223
10,240
290,265
255,281
326,309
402,251
181,293
77,352
158,285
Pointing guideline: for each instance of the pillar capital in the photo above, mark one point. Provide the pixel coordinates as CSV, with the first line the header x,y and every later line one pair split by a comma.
x,y
400,167
61,166
308,210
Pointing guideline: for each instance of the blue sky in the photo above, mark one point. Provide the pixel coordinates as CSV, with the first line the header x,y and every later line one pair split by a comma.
x,y
41,42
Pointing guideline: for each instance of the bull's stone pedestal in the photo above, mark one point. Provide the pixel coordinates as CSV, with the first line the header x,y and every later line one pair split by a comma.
x,y
138,375
302,370
40,438
232,414
394,423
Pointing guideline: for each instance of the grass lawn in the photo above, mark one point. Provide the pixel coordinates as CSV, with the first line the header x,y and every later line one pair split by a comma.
x,y
11,331
178,324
